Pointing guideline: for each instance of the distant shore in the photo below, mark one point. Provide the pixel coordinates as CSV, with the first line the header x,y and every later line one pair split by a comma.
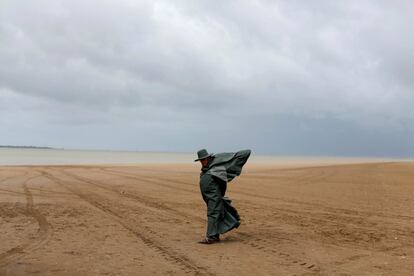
x,y
23,147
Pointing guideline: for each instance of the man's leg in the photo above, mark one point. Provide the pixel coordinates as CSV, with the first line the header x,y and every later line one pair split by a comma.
x,y
215,212
215,209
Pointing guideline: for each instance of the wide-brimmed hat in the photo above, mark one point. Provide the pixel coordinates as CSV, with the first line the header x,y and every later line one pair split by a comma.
x,y
202,154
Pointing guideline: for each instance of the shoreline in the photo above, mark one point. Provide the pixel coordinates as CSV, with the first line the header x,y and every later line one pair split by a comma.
x,y
51,157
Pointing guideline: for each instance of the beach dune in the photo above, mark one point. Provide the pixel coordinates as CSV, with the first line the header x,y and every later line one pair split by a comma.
x,y
300,219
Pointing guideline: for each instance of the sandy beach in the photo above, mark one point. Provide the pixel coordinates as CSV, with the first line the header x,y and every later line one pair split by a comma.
x,y
303,218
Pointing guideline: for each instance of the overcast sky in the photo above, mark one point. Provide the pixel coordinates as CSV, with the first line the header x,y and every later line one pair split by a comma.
x,y
279,77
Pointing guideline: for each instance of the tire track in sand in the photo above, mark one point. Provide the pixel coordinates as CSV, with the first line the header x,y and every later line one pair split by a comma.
x,y
147,201
245,238
11,177
42,236
336,217
346,213
188,265
160,181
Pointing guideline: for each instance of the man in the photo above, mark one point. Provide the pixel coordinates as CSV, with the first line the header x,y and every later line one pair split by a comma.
x,y
216,171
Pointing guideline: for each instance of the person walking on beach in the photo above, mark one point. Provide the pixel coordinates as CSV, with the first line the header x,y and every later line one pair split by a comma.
x,y
216,171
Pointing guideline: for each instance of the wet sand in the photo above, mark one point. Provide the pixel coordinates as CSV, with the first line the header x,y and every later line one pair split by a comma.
x,y
300,219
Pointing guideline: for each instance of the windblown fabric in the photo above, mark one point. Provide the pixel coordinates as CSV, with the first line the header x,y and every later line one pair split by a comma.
x,y
228,165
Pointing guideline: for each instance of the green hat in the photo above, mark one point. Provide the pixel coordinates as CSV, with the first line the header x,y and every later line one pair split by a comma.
x,y
202,154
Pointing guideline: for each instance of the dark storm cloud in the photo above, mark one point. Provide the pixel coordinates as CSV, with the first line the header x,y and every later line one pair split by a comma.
x,y
178,75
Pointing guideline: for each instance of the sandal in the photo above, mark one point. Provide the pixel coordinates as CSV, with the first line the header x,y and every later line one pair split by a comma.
x,y
208,240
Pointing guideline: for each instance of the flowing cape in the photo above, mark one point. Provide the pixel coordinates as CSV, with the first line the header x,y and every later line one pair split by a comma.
x,y
228,165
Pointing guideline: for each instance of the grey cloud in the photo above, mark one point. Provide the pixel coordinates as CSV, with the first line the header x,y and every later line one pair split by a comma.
x,y
207,69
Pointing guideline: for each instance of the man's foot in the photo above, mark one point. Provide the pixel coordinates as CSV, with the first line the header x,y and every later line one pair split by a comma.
x,y
216,237
210,240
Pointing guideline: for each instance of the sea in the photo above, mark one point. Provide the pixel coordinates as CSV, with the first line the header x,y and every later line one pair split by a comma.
x,y
29,156
33,156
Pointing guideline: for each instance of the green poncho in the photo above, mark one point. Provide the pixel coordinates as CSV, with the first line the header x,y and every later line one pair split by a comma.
x,y
224,167
228,165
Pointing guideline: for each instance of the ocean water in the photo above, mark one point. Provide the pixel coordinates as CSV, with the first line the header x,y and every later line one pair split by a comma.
x,y
68,157
84,157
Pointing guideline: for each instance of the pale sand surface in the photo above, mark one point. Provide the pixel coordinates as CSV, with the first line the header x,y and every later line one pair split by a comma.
x,y
303,218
